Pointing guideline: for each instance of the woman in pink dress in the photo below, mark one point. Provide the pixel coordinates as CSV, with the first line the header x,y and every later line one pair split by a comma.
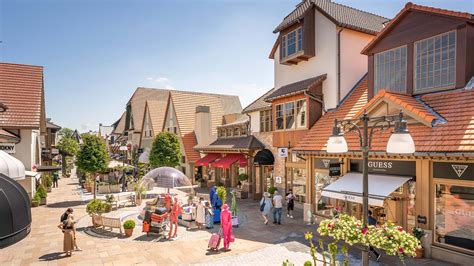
x,y
174,214
226,224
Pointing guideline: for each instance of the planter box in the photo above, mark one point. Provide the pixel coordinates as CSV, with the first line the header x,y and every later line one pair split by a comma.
x,y
114,188
130,187
35,203
49,189
241,194
103,189
43,201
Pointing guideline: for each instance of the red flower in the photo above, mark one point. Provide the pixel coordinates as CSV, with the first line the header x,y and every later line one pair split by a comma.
x,y
401,250
364,230
400,229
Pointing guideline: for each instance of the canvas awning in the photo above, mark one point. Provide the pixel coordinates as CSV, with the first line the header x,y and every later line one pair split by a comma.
x,y
11,166
349,187
48,168
228,160
264,157
206,160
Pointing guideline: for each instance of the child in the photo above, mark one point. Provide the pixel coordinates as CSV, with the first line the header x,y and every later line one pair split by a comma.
x,y
290,202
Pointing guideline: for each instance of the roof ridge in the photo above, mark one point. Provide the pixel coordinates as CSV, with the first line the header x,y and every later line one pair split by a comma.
x,y
417,6
18,64
356,9
263,95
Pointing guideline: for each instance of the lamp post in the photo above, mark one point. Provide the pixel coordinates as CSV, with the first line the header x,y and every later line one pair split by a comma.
x,y
400,142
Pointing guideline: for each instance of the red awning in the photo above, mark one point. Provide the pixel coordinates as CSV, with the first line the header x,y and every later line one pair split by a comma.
x,y
243,162
206,160
228,160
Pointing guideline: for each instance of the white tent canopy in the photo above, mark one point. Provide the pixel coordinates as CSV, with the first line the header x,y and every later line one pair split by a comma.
x,y
11,166
113,164
349,187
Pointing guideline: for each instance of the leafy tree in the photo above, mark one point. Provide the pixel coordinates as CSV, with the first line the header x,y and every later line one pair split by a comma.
x,y
68,146
92,156
165,151
66,133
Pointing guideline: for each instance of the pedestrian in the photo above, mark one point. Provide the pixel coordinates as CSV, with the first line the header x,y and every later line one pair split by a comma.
x,y
226,225
277,207
69,233
55,179
290,203
265,206
209,215
64,219
200,213
372,221
174,214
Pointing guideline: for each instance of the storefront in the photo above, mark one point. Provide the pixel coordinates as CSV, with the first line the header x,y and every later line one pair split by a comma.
x,y
263,163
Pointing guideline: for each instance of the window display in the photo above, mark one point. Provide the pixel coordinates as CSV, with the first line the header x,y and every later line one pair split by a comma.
x,y
454,215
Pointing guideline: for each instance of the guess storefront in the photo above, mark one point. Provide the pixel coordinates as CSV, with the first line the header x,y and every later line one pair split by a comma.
x,y
453,207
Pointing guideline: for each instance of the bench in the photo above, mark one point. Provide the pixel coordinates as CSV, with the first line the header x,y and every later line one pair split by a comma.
x,y
101,221
122,200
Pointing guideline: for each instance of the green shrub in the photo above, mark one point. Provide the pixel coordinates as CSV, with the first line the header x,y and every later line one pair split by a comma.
x,y
36,197
107,207
418,232
308,263
41,191
129,224
96,207
222,194
272,190
243,177
109,198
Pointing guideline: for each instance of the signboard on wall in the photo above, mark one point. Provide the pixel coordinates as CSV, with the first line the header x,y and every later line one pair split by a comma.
x,y
402,168
7,147
323,163
459,171
282,152
278,179
54,151
335,169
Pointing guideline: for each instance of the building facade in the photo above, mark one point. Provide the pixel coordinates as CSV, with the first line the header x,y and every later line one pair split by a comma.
x,y
421,64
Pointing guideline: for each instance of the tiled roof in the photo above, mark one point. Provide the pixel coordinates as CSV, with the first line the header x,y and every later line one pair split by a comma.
x,y
189,141
138,102
50,124
342,15
21,90
410,105
157,110
6,136
119,125
408,7
234,143
259,104
296,87
455,135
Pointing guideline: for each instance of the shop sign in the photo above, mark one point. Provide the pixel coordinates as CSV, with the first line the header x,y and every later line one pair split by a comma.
x,y
278,179
323,163
54,151
7,147
45,151
421,219
335,169
282,152
463,171
123,148
403,168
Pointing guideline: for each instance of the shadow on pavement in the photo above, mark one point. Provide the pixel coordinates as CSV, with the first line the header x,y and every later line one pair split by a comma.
x,y
65,204
53,256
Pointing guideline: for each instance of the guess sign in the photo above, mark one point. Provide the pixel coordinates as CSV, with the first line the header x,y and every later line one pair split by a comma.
x,y
460,171
402,168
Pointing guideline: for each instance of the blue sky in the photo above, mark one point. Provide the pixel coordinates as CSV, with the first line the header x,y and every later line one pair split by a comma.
x,y
97,52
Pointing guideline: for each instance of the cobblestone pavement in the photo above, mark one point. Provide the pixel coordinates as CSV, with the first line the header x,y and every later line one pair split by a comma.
x,y
256,243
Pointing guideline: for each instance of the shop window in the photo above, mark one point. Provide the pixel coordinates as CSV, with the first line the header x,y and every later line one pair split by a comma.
x,y
454,215
325,206
236,131
301,113
298,183
411,212
279,116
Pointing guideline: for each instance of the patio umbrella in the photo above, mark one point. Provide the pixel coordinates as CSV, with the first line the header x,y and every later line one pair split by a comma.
x,y
166,177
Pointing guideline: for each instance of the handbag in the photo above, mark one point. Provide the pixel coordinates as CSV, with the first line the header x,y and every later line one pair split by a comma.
x,y
262,206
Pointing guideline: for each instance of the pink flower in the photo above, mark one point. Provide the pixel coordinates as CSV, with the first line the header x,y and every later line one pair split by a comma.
x,y
364,230
401,250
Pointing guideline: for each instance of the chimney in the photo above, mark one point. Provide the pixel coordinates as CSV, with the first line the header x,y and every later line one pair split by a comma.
x,y
202,126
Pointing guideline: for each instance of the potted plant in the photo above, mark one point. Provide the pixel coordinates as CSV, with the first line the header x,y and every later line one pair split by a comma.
x,y
271,190
418,233
234,210
36,200
128,226
139,193
89,183
42,193
48,182
95,208
222,194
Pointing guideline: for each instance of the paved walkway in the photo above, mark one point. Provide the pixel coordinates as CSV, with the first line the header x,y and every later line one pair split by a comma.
x,y
256,244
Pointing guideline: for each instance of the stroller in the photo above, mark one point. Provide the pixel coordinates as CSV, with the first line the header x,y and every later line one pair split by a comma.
x,y
156,222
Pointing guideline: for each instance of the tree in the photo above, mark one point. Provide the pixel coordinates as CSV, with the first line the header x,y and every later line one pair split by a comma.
x,y
66,133
165,151
67,146
92,156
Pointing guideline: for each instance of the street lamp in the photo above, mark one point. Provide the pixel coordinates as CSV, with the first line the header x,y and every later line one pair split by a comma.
x,y
400,142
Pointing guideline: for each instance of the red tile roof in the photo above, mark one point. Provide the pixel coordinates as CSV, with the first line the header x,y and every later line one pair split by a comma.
x,y
189,141
21,90
408,7
456,134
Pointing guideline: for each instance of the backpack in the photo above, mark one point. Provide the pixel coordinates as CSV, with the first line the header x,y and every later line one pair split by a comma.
x,y
262,206
64,217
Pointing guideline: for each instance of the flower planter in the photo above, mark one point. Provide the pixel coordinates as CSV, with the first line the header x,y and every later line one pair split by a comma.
x,y
128,232
419,253
114,188
42,201
88,188
49,189
235,221
35,203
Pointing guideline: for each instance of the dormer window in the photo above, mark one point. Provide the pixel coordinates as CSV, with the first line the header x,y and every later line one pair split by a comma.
x,y
292,43
391,70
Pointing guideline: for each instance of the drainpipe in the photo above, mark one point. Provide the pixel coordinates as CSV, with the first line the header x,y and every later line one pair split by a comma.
x,y
339,65
316,99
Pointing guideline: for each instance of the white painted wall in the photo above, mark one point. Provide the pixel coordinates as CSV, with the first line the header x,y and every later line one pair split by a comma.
x,y
353,63
28,149
325,62
254,122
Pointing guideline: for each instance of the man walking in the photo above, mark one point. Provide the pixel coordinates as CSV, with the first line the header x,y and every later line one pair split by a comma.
x,y
55,179
277,207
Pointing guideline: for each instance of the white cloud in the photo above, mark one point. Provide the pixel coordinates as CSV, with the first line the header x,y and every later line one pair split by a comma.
x,y
158,79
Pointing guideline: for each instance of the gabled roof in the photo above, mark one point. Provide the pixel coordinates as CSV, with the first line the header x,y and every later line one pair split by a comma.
x,y
341,15
295,88
455,134
52,125
138,102
259,104
157,110
410,105
105,131
234,143
119,125
21,90
409,7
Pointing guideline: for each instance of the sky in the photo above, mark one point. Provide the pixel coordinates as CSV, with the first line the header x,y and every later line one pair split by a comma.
x,y
95,53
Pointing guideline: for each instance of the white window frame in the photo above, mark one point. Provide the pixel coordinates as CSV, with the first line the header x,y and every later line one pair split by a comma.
x,y
298,44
